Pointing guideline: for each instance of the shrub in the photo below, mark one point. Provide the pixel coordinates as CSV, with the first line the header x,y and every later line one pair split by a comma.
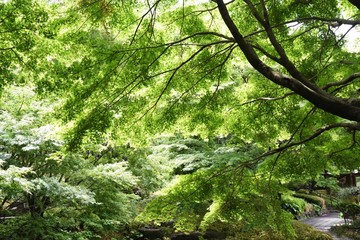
x,y
350,231
295,206
349,210
303,191
312,199
296,185
349,194
306,232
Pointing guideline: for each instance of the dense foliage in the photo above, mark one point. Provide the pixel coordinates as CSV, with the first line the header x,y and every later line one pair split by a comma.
x,y
47,192
201,113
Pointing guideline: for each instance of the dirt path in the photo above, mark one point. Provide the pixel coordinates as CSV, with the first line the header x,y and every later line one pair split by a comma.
x,y
325,222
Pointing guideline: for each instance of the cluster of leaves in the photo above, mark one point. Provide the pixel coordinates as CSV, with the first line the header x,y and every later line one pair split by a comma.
x,y
294,205
312,199
349,210
302,230
21,24
349,193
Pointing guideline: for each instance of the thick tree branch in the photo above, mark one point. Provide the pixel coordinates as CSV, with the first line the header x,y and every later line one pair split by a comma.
x,y
284,60
267,54
314,94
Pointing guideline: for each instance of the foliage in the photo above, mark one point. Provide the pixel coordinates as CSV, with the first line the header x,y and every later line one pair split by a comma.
x,y
47,192
209,191
197,80
350,231
22,22
349,210
328,183
312,199
295,206
268,91
349,194
304,231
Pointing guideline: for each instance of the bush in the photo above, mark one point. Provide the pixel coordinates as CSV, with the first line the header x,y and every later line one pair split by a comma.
x,y
349,210
295,206
306,232
350,231
312,199
330,201
349,194
296,185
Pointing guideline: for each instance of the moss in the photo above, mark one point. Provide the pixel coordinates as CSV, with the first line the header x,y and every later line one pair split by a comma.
x,y
306,232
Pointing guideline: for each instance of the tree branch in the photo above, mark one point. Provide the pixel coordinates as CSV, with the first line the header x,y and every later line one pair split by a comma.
x,y
353,126
336,21
141,19
284,60
265,99
354,142
344,82
267,54
307,90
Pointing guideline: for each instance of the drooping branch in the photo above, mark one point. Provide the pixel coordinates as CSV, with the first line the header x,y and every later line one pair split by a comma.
x,y
266,99
220,65
346,125
170,79
354,142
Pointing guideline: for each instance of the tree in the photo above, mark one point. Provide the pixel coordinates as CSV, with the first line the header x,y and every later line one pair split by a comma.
x,y
295,44
278,75
47,192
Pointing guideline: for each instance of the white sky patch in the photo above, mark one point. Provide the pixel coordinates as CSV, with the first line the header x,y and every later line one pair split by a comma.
x,y
352,38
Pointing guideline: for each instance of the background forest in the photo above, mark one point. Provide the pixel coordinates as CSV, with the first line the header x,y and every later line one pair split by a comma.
x,y
227,119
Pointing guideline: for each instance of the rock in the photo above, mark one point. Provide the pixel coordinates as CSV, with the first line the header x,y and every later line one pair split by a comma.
x,y
151,233
185,236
